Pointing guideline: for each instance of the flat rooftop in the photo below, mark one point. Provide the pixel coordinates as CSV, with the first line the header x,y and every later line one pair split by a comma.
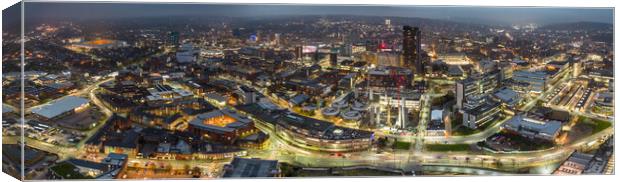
x,y
241,167
386,71
60,106
548,128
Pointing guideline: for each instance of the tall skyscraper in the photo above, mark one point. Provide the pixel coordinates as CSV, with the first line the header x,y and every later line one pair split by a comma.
x,y
316,55
333,57
298,52
412,48
173,38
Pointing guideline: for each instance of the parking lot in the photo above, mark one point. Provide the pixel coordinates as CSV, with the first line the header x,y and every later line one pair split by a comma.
x,y
554,93
573,95
83,120
53,135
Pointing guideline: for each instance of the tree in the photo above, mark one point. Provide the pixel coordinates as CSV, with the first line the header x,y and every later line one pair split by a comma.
x,y
196,172
186,168
381,142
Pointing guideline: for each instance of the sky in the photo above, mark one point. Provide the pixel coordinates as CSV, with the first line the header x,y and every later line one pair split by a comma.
x,y
503,15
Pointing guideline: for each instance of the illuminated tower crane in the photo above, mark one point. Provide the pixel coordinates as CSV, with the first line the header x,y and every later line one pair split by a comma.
x,y
402,112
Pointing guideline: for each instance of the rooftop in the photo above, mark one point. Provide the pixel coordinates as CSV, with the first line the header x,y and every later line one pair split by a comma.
x,y
110,136
387,70
224,120
6,109
60,106
88,164
241,167
316,128
507,95
520,122
484,107
436,115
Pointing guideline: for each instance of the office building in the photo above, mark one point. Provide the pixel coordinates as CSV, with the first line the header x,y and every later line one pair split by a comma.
x,y
333,57
481,115
173,38
476,86
412,48
536,80
387,77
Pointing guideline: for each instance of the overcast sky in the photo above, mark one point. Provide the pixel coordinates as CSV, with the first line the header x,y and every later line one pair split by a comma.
x,y
517,15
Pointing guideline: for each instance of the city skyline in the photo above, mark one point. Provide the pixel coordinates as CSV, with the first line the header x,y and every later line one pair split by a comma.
x,y
480,14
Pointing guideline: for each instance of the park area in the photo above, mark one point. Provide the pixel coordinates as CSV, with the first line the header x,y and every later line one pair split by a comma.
x,y
585,127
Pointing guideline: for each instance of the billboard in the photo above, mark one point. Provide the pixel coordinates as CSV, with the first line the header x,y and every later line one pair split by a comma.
x,y
309,49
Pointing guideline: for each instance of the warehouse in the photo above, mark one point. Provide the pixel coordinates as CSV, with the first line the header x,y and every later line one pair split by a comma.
x,y
60,108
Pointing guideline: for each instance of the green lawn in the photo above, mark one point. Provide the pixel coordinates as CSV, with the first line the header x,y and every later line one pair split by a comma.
x,y
68,171
603,110
402,145
601,125
526,144
595,124
447,147
463,130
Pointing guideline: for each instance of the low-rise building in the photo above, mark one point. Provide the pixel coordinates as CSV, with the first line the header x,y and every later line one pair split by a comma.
x,y
216,99
60,108
164,94
247,95
533,128
243,168
574,165
116,136
436,123
508,97
221,125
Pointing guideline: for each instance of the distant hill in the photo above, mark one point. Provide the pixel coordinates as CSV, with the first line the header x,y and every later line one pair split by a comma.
x,y
586,26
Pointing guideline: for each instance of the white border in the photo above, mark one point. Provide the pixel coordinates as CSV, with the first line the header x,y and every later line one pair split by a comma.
x,y
554,3
503,3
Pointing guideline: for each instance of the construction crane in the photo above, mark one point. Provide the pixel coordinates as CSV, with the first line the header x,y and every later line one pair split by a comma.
x,y
399,82
399,79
